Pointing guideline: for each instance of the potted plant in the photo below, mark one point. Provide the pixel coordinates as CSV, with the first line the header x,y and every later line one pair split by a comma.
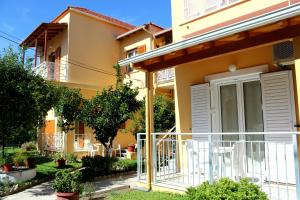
x,y
19,159
30,162
6,164
60,160
67,185
131,148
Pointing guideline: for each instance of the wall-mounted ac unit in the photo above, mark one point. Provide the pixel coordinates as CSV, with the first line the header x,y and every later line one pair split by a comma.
x,y
283,53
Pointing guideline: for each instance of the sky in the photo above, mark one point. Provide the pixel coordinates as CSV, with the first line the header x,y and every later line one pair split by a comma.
x,y
18,18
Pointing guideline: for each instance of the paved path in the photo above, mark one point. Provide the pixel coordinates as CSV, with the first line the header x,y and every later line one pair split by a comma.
x,y
45,191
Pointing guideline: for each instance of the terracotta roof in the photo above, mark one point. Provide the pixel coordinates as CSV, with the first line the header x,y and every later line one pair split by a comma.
x,y
139,28
101,16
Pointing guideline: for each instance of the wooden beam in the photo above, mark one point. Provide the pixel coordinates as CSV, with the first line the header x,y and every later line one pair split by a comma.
x,y
281,34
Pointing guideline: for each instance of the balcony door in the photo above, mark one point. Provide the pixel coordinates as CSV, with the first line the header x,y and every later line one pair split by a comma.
x,y
240,110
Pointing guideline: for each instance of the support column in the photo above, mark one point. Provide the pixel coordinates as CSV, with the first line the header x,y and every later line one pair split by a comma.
x,y
149,126
35,53
296,74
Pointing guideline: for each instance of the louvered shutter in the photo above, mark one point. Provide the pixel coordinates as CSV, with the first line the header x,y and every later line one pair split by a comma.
x,y
141,49
200,105
278,110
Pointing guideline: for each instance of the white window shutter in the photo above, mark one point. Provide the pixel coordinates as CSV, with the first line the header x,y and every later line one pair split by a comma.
x,y
278,103
200,106
279,115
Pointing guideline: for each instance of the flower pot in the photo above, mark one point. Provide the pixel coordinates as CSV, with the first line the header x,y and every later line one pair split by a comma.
x,y
131,148
30,163
67,195
7,168
61,163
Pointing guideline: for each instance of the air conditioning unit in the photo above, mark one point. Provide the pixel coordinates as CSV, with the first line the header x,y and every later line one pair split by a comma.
x,y
283,53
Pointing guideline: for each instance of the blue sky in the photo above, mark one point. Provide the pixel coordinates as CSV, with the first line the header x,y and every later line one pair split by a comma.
x,y
20,17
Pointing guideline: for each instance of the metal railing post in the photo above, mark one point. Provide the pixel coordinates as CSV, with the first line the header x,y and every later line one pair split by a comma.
x,y
154,161
139,156
210,157
296,161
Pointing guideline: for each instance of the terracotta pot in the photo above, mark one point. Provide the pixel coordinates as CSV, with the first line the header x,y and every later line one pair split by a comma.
x,y
61,163
131,148
67,196
7,168
30,163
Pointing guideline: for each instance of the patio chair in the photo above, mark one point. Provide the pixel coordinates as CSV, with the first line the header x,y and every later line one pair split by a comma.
x,y
238,160
91,150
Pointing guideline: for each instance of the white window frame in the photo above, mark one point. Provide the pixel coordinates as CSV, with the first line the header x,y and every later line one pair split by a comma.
x,y
238,77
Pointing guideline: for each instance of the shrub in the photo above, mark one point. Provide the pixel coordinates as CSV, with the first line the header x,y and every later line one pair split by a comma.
x,y
71,158
66,181
125,165
29,146
226,189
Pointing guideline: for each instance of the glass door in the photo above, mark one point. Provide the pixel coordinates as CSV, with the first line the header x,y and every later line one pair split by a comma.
x,y
240,109
253,116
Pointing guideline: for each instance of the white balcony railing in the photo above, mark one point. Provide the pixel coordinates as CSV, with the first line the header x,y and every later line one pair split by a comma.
x,y
53,142
197,8
47,71
165,76
82,142
269,160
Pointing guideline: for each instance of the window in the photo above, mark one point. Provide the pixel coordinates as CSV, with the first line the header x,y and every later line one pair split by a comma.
x,y
197,8
131,53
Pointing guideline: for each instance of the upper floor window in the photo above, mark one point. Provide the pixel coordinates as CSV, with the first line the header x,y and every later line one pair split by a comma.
x,y
131,53
197,8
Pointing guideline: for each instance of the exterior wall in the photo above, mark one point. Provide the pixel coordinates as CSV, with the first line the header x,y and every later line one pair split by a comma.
x,y
195,72
138,78
243,10
92,44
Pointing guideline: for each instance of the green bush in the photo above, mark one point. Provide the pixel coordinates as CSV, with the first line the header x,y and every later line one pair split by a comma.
x,y
66,181
29,146
98,166
226,189
124,165
71,158
58,156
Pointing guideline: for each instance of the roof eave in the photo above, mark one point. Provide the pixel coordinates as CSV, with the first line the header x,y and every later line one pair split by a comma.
x,y
269,18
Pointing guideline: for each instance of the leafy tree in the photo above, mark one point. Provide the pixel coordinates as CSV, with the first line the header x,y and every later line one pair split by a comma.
x,y
108,110
25,98
68,107
164,116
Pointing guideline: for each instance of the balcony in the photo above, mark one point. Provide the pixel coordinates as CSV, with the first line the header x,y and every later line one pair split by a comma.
x,y
194,9
49,71
82,142
53,142
269,160
165,76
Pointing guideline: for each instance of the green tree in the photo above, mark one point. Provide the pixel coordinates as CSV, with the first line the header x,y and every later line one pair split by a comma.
x,y
68,107
108,110
164,116
25,98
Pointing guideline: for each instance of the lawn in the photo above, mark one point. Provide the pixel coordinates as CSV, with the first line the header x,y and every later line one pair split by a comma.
x,y
134,195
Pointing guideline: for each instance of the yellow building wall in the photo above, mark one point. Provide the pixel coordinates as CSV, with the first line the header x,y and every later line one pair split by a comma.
x,y
194,73
182,27
92,44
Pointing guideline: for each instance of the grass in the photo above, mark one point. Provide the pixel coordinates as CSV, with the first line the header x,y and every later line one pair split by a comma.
x,y
134,195
49,169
